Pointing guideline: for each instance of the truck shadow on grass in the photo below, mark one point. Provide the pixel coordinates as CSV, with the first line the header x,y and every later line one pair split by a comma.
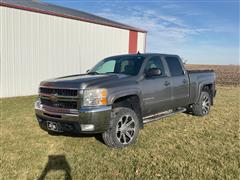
x,y
55,163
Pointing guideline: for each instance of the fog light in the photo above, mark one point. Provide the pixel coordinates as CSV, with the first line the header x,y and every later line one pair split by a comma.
x,y
87,127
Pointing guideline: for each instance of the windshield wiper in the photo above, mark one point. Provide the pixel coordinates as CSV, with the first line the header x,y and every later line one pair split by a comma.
x,y
109,73
93,73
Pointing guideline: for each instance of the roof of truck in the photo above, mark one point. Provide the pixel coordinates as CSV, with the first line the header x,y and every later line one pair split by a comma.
x,y
147,54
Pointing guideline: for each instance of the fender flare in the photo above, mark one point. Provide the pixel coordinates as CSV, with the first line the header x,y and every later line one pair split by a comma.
x,y
200,86
130,92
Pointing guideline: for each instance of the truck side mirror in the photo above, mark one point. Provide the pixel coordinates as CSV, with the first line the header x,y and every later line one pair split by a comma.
x,y
153,72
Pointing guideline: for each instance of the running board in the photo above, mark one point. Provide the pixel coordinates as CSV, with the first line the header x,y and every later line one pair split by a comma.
x,y
159,116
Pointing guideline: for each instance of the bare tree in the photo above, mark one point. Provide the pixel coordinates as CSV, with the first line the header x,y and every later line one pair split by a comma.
x,y
184,60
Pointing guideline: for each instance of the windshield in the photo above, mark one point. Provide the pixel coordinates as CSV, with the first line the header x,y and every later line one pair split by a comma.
x,y
129,65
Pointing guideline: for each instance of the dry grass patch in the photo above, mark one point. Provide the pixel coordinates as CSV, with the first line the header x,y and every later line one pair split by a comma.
x,y
182,146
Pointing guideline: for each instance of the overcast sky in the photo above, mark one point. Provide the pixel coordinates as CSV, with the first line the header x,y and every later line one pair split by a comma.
x,y
202,31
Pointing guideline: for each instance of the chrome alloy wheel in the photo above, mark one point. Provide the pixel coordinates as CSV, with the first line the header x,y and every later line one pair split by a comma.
x,y
125,130
206,104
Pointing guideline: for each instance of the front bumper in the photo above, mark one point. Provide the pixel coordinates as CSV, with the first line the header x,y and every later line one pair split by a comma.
x,y
86,120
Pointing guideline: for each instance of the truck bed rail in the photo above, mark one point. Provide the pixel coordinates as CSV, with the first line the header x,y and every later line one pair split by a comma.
x,y
200,71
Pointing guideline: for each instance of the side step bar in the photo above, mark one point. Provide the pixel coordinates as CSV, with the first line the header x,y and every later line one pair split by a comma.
x,y
159,116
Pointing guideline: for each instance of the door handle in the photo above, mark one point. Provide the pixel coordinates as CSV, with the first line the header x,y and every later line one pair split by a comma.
x,y
184,81
166,83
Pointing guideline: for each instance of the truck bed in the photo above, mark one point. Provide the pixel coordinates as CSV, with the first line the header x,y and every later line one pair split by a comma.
x,y
198,78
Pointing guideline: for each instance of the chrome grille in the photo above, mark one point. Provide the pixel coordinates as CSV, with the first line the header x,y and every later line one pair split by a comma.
x,y
60,99
59,92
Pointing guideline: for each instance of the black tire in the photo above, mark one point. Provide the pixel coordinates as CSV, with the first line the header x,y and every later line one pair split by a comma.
x,y
123,129
202,107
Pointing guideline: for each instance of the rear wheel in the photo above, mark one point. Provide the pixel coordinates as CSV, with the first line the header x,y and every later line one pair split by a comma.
x,y
202,107
124,128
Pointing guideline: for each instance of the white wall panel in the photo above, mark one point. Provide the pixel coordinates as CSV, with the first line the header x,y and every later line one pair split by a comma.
x,y
1,47
35,47
141,42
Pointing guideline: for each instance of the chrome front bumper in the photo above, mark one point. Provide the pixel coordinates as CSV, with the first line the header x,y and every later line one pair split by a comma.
x,y
97,118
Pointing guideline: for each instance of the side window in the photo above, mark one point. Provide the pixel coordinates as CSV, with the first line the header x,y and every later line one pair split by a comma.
x,y
155,62
129,66
123,65
174,66
107,67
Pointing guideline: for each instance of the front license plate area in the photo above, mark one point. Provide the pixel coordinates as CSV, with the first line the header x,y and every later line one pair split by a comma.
x,y
52,126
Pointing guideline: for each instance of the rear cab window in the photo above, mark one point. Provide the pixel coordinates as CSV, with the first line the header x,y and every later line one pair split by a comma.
x,y
174,66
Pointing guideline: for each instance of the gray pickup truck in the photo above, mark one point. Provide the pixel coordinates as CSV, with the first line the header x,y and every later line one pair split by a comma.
x,y
121,94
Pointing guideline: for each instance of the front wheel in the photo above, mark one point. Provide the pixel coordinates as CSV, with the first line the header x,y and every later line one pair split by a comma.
x,y
123,129
202,107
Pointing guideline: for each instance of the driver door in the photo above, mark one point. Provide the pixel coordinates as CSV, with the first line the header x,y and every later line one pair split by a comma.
x,y
156,90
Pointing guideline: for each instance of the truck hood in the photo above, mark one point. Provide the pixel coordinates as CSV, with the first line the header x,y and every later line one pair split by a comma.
x,y
82,81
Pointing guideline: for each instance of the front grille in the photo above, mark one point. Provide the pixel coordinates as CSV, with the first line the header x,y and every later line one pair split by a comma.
x,y
59,92
59,104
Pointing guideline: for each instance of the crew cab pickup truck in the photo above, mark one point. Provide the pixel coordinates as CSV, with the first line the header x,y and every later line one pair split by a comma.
x,y
121,94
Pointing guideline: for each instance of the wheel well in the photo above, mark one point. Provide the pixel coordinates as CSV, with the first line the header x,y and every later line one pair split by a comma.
x,y
209,89
132,102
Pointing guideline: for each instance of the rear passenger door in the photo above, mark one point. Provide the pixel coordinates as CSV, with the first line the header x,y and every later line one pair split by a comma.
x,y
156,91
179,81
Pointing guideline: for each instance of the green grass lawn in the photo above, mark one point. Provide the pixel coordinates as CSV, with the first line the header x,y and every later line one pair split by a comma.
x,y
179,147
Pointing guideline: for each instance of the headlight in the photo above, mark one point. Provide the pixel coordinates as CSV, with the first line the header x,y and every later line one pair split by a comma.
x,y
94,97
